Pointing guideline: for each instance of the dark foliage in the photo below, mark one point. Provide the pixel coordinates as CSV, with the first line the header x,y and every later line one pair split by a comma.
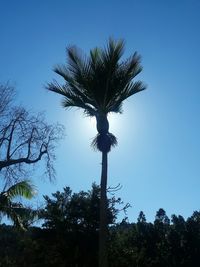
x,y
163,243
69,237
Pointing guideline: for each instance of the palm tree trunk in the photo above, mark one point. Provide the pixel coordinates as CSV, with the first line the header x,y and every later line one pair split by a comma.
x,y
103,262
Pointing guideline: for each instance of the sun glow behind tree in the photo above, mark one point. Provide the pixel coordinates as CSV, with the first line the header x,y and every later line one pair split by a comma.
x,y
119,125
90,124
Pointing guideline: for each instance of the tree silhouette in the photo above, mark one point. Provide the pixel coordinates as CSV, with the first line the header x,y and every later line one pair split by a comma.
x,y
15,210
98,84
25,140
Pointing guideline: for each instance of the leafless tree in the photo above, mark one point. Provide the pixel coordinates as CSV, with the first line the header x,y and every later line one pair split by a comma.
x,y
25,139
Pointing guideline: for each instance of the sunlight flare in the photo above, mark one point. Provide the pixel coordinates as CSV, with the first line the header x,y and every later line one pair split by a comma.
x,y
89,124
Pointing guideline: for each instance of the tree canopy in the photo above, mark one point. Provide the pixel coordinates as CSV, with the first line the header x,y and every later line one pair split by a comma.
x,y
69,236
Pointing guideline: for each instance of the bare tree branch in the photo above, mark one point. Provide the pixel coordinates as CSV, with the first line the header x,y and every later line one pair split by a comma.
x,y
25,139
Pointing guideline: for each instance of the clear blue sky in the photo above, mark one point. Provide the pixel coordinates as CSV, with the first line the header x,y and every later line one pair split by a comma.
x,y
158,157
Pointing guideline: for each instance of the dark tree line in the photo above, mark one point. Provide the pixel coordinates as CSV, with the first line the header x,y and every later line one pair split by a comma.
x,y
163,243
68,236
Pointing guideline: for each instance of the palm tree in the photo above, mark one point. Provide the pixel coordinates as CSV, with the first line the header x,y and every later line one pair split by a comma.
x,y
15,211
98,84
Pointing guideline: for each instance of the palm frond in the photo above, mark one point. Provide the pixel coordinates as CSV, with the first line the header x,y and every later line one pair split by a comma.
x,y
15,211
75,59
57,88
114,51
95,57
131,67
115,104
64,72
24,189
111,56
13,214
133,88
78,103
116,107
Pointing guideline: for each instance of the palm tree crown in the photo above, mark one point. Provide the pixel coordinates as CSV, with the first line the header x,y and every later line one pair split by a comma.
x,y
98,84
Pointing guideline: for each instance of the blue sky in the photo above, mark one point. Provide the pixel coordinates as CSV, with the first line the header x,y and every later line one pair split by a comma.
x,y
157,159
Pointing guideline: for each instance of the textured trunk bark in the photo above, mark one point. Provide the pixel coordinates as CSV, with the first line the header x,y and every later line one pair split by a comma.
x,y
103,261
